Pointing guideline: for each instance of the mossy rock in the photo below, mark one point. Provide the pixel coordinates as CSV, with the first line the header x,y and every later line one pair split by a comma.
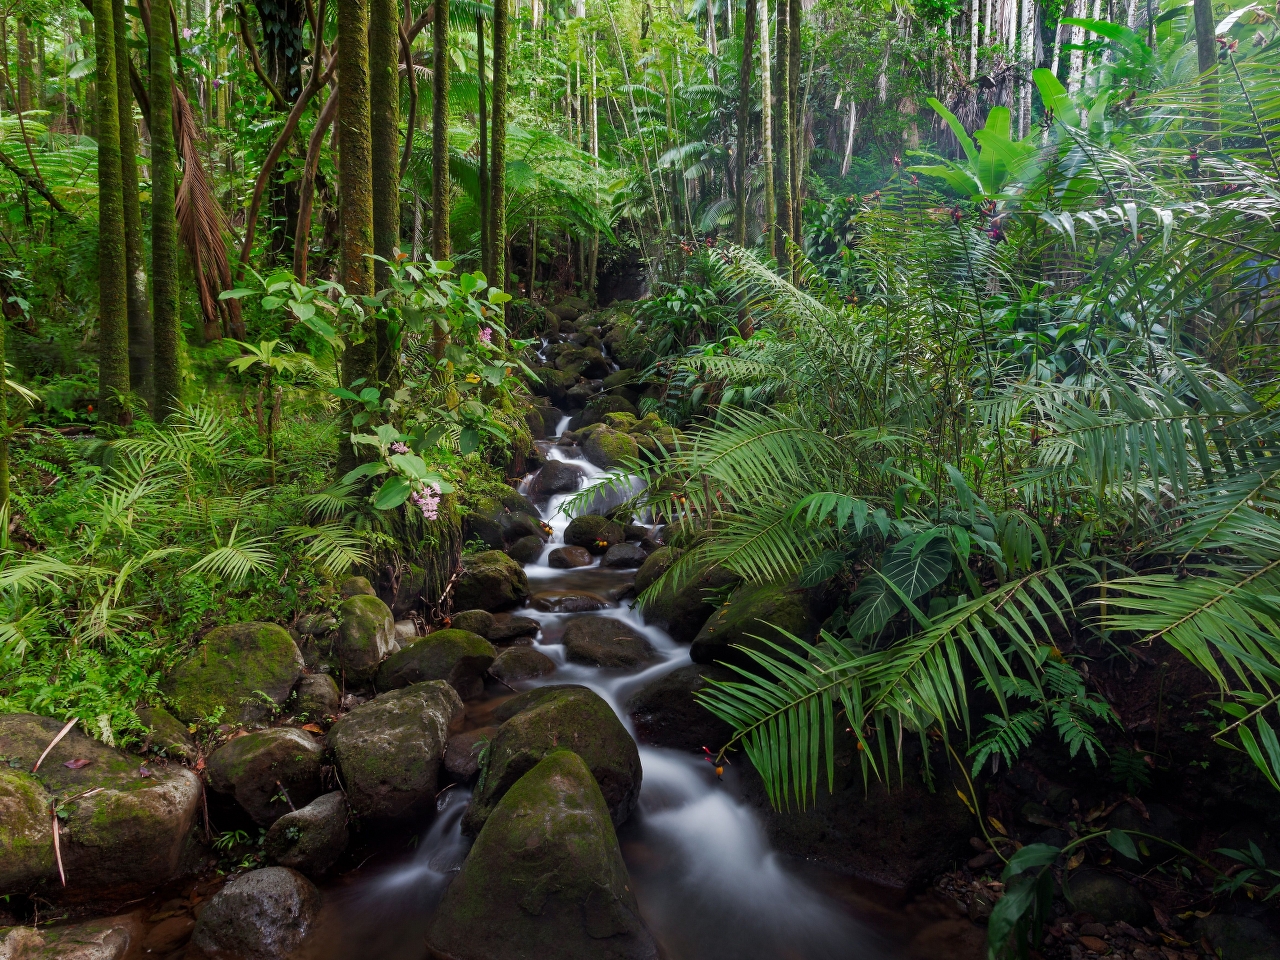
x,y
456,656
553,384
165,735
366,636
600,408
255,767
620,378
127,831
545,878
622,422
260,915
1106,897
356,587
108,938
316,696
753,612
683,612
473,621
312,838
526,549
590,530
490,581
572,717
242,672
483,522
606,642
665,712
389,750
608,448
521,663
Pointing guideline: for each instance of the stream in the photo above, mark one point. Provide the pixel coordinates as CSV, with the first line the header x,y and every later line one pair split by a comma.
x,y
708,883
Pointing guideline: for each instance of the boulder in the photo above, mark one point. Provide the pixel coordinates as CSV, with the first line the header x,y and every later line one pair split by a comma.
x,y
526,549
312,838
606,642
558,601
608,448
623,556
410,583
454,655
1106,897
564,716
356,587
473,621
260,915
406,630
490,581
570,308
682,612
521,663
511,628
593,533
316,696
1238,938
545,878
366,636
483,522
654,566
389,749
165,735
556,477
665,713
111,938
315,624
597,408
751,613
130,834
517,526
514,501
259,768
621,378
553,384
566,558
241,673
462,753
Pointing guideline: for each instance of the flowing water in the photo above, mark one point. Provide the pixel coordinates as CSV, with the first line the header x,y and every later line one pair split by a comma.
x,y
709,886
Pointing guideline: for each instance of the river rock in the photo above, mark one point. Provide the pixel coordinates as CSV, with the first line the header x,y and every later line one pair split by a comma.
x,y
316,696
165,735
753,612
490,581
517,526
623,556
111,938
483,522
565,716
512,628
1106,897
566,558
129,835
684,611
389,749
608,448
255,767
666,714
1238,938
521,663
366,636
473,621
232,671
260,915
462,753
312,838
556,477
558,601
593,533
356,587
595,410
545,878
526,549
454,655
606,642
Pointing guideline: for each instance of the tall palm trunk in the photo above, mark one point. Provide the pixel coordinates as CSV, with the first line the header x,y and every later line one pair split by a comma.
x,y
796,114
766,132
4,426
164,217
440,245
141,344
113,279
384,100
1207,61
486,267
782,133
355,189
744,120
498,151
25,73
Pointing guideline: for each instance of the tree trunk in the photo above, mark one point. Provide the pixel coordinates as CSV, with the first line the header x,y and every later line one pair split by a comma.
x,y
355,188
848,144
25,74
975,15
744,121
384,97
498,151
113,279
486,267
4,428
766,132
440,245
1207,61
141,344
164,218
796,118
782,129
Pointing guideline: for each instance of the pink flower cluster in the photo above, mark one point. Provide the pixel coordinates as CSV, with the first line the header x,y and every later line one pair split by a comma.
x,y
428,501
486,334
399,447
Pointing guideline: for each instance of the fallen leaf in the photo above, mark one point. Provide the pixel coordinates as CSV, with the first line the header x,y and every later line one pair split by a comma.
x,y
1077,858
312,728
999,826
143,771
77,764
1096,944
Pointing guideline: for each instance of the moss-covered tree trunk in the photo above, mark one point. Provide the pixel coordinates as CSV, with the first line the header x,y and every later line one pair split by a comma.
x,y
384,96
4,424
355,191
164,219
744,120
25,72
113,279
498,151
796,140
486,266
782,127
141,346
1207,61
440,245
766,129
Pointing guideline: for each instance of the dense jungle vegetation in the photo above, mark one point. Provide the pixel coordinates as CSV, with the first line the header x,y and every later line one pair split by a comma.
x,y
964,313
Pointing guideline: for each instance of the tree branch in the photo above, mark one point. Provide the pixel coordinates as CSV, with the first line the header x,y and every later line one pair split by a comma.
x,y
307,189
406,51
33,183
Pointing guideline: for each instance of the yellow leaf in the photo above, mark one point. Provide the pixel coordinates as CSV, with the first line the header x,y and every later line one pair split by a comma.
x,y
1076,859
960,794
998,825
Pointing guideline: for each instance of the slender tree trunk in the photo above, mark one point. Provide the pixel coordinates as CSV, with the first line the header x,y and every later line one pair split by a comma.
x,y
4,425
796,116
848,144
782,132
141,343
766,133
498,151
486,251
355,187
744,120
384,100
25,74
975,16
440,245
1207,61
164,218
113,279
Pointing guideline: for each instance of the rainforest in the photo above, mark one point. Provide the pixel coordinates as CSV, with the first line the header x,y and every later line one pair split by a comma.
x,y
637,479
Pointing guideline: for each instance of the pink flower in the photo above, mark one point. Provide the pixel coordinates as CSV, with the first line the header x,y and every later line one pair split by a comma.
x,y
186,33
399,447
486,334
428,501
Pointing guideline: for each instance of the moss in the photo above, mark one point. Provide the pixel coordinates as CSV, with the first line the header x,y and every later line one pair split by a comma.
x,y
591,530
366,635
166,735
26,837
253,767
620,378
231,671
608,448
490,581
622,421
770,611
458,656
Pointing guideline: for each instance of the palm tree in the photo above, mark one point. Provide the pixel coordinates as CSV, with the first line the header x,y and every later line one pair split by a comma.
x,y
164,220
384,96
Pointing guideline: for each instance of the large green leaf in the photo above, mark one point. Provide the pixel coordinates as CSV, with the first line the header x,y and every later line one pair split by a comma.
x,y
966,144
878,605
1055,97
916,565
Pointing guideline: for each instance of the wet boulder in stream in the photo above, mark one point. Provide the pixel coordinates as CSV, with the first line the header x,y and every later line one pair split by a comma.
x,y
770,611
241,672
456,656
606,642
521,663
526,549
312,838
490,581
512,628
608,448
473,621
366,636
261,769
551,718
260,915
681,612
566,558
666,714
624,556
545,878
557,476
593,533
